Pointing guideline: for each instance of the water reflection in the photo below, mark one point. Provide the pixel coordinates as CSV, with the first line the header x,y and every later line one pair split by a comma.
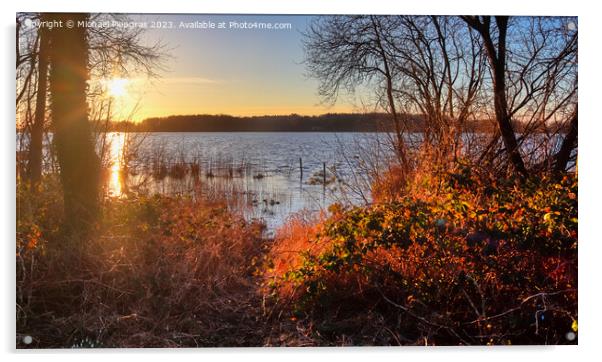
x,y
116,143
258,174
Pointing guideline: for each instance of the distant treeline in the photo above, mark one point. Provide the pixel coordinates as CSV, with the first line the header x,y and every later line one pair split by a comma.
x,y
331,122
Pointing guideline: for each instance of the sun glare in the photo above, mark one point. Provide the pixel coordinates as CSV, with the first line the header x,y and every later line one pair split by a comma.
x,y
117,87
116,141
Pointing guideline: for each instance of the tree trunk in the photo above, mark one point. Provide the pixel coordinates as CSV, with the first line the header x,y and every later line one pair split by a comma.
x,y
564,154
497,61
500,102
37,128
79,164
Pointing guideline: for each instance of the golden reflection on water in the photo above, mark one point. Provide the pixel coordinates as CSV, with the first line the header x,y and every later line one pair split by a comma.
x,y
116,144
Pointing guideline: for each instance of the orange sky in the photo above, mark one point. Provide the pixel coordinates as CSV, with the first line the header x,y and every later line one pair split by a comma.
x,y
252,72
169,96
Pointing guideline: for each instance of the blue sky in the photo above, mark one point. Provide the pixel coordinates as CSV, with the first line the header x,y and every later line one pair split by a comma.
x,y
239,72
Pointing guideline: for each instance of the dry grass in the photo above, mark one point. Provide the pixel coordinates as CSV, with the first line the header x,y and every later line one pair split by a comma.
x,y
159,272
292,239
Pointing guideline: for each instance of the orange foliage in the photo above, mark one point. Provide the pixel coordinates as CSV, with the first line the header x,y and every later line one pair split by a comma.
x,y
458,250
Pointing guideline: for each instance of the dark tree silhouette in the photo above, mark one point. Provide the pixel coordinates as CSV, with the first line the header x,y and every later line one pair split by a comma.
x,y
496,53
79,164
568,145
37,128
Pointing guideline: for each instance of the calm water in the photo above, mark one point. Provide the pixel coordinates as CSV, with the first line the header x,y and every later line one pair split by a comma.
x,y
266,175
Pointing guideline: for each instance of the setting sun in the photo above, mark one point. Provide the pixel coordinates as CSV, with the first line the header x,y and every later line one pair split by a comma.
x,y
117,87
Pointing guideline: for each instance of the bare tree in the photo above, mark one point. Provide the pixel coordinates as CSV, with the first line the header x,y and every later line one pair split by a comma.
x,y
425,70
496,53
542,80
533,64
123,50
439,71
34,165
346,52
448,74
26,76
26,53
112,51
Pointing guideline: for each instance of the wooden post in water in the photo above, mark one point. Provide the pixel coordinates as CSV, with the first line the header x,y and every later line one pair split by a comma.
x,y
324,174
300,168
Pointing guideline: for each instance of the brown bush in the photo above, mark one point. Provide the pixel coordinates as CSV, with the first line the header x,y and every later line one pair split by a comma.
x,y
158,272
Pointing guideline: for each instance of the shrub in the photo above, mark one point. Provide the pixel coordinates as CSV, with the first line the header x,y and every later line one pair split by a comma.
x,y
462,259
158,272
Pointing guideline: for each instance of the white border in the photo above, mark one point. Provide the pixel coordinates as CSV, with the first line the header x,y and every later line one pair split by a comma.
x,y
590,61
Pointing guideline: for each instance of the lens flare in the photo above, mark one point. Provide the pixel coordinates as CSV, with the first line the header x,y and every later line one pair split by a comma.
x,y
117,87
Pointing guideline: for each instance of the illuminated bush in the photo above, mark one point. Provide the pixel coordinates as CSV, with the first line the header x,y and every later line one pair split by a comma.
x,y
476,261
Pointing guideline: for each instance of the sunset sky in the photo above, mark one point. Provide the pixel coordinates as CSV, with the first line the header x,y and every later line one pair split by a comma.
x,y
227,71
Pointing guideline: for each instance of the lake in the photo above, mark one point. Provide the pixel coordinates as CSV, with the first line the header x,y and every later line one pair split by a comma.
x,y
268,176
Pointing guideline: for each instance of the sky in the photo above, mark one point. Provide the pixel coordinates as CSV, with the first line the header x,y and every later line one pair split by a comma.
x,y
227,71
